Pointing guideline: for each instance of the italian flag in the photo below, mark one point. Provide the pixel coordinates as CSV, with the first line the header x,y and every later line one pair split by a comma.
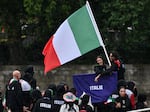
x,y
77,35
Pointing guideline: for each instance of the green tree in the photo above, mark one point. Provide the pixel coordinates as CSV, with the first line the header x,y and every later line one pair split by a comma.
x,y
126,27
28,24
11,13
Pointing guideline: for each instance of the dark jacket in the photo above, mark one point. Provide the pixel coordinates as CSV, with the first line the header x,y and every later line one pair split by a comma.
x,y
29,72
43,105
125,104
140,103
1,105
113,68
84,104
99,69
57,104
36,95
121,70
14,96
58,98
26,98
88,108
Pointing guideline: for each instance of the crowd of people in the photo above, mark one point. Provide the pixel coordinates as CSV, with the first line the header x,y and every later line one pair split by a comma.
x,y
124,98
22,94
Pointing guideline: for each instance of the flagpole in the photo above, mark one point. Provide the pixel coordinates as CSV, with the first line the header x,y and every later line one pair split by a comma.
x,y
97,31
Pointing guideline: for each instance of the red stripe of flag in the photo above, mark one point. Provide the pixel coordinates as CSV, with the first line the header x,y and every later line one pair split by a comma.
x,y
51,59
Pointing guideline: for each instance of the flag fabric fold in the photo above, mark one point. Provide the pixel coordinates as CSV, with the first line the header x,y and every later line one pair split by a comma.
x,y
75,37
99,91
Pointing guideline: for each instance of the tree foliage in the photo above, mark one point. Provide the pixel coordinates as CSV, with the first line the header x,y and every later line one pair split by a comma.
x,y
124,26
128,22
11,12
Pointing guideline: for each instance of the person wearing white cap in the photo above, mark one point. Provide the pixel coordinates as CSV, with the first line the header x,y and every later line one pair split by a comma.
x,y
69,105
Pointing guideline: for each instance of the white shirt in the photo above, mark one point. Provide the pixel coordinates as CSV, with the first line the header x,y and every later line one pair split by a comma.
x,y
25,85
65,107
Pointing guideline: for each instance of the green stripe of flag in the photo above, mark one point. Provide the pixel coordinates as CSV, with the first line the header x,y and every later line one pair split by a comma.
x,y
83,30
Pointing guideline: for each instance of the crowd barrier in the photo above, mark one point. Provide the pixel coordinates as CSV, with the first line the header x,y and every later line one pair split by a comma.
x,y
141,110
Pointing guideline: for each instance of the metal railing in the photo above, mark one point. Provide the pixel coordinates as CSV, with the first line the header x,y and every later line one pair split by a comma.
x,y
141,110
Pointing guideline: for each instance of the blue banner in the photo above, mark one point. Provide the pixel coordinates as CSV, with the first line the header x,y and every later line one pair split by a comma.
x,y
99,91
